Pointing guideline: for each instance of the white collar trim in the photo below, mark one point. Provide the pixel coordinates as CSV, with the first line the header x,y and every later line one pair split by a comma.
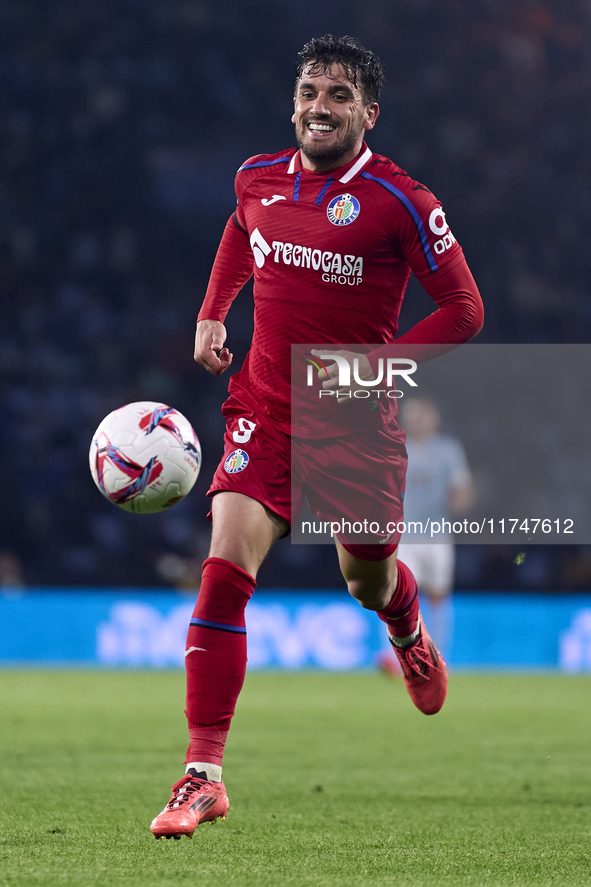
x,y
351,173
291,167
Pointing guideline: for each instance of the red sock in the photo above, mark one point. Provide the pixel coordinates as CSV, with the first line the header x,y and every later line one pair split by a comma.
x,y
402,613
215,660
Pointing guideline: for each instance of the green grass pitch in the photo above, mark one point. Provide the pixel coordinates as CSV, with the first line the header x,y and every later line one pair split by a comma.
x,y
334,780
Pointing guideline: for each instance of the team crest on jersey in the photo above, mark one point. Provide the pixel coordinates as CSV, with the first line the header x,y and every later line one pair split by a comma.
x,y
236,461
343,210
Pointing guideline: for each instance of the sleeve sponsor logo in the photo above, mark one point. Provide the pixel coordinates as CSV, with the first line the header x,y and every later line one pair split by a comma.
x,y
438,225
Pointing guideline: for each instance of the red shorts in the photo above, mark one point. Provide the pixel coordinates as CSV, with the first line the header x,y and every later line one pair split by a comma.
x,y
356,483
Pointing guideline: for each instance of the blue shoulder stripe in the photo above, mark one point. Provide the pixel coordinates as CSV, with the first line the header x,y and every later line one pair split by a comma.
x,y
264,163
409,206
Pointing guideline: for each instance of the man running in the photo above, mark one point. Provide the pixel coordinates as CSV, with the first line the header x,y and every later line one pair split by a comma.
x,y
331,232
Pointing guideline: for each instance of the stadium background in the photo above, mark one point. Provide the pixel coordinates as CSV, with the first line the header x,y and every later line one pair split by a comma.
x,y
122,125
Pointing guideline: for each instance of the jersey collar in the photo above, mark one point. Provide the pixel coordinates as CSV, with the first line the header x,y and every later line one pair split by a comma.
x,y
345,174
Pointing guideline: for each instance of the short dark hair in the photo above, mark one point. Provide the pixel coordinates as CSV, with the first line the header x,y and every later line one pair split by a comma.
x,y
362,67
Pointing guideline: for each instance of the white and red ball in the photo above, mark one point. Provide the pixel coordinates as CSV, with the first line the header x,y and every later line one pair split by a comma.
x,y
145,457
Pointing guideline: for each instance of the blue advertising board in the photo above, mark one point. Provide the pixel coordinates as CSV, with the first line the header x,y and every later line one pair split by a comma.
x,y
286,630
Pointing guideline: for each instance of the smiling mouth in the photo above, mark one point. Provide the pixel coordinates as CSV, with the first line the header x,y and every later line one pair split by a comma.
x,y
321,127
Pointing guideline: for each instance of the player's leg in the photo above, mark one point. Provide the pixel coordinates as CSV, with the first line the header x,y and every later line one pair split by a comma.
x,y
382,585
347,484
409,554
435,588
243,530
252,494
215,656
386,585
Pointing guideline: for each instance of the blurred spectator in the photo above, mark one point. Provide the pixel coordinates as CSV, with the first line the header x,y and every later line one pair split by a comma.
x,y
439,487
11,573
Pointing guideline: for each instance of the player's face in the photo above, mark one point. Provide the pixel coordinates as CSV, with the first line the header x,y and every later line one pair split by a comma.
x,y
420,418
330,118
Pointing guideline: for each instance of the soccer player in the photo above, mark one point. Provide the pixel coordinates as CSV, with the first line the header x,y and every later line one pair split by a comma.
x,y
439,486
331,232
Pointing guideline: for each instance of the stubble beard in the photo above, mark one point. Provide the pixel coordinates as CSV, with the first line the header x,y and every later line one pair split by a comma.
x,y
327,153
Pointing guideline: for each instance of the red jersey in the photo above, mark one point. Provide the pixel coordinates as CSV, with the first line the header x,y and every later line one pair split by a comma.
x,y
332,253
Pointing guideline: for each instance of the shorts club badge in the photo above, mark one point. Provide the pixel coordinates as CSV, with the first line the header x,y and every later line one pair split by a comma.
x,y
343,210
236,461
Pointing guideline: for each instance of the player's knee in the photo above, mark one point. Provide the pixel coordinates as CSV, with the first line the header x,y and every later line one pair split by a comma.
x,y
241,554
368,594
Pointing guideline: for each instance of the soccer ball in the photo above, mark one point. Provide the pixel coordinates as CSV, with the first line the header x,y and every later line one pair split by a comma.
x,y
145,457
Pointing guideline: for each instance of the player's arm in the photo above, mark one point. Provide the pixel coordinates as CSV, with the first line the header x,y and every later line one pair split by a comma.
x,y
460,312
458,318
232,267
462,490
423,236
461,497
210,336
